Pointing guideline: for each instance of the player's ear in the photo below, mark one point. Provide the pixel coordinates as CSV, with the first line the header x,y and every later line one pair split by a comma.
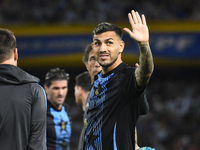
x,y
80,90
121,44
15,54
45,88
92,45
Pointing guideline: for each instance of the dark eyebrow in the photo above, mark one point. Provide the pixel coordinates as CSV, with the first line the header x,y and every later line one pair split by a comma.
x,y
58,87
97,40
109,39
105,40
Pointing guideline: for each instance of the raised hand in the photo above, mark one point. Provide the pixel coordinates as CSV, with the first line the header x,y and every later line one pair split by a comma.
x,y
140,32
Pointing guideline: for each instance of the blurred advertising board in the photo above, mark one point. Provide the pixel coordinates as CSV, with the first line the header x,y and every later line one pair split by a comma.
x,y
178,45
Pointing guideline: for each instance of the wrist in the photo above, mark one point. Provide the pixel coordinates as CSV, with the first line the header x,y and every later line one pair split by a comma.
x,y
143,43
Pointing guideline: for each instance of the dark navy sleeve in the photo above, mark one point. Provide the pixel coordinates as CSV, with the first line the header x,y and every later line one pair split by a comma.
x,y
37,139
144,106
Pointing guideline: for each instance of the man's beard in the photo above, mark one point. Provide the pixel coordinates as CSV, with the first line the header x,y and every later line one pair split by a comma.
x,y
109,64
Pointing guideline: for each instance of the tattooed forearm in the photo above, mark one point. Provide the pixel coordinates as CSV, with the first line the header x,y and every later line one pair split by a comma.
x,y
145,69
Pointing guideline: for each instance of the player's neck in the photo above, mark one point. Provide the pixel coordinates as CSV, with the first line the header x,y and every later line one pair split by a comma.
x,y
58,107
113,66
10,62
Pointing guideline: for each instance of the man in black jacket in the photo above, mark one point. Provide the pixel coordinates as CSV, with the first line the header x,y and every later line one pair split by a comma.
x,y
22,102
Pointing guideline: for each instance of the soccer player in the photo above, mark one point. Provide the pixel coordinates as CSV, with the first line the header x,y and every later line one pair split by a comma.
x,y
115,98
58,112
22,102
93,68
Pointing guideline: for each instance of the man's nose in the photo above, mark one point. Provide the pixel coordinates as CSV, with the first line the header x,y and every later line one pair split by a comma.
x,y
61,91
97,64
103,47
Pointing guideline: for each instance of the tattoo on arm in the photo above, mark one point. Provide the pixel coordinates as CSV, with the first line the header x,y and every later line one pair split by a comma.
x,y
145,69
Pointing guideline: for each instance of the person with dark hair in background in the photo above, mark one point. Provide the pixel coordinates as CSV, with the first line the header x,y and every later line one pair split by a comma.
x,y
58,112
115,98
82,89
90,62
93,68
22,102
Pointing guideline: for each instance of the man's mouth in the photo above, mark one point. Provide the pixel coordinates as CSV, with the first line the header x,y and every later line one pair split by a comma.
x,y
60,98
103,56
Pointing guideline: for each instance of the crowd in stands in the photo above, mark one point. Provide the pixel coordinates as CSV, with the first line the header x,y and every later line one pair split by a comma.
x,y
94,11
174,116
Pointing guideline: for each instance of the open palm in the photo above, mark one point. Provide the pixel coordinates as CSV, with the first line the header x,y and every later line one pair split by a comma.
x,y
139,31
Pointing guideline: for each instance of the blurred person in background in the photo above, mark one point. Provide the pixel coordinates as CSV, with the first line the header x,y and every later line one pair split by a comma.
x,y
81,91
58,112
90,62
93,68
22,102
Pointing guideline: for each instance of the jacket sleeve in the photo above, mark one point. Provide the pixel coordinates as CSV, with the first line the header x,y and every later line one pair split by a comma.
x,y
37,138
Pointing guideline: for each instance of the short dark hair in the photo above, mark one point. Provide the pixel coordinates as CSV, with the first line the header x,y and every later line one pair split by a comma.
x,y
105,26
7,44
54,75
86,53
83,80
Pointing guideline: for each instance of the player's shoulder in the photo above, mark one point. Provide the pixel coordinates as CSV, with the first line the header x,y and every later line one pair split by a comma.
x,y
36,86
125,69
36,89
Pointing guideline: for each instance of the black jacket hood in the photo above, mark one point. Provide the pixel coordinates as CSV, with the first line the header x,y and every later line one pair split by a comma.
x,y
10,74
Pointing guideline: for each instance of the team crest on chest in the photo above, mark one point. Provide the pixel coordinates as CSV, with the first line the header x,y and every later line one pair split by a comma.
x,y
62,125
96,92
